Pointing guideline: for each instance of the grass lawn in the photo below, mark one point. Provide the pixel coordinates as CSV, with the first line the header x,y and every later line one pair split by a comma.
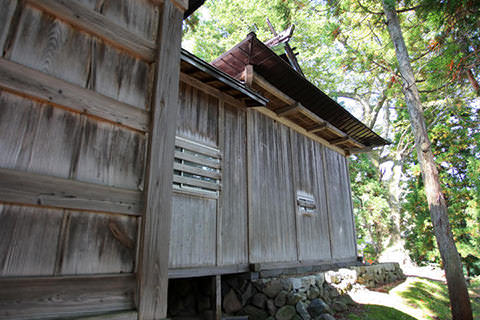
x,y
415,299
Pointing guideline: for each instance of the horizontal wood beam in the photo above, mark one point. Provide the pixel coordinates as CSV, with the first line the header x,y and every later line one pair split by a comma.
x,y
299,129
48,297
321,125
122,315
196,182
338,140
28,82
196,147
288,110
200,160
174,273
194,82
197,171
360,150
318,128
34,189
98,25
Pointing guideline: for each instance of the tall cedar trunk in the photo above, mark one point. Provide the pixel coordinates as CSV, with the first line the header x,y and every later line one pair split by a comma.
x,y
457,288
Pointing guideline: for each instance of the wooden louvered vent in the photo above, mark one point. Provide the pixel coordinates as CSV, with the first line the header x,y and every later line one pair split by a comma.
x,y
197,168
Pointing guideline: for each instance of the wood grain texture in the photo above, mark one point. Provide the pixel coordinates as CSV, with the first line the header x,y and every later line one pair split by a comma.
x,y
137,16
339,206
194,82
154,248
91,244
299,129
42,139
122,315
28,240
312,230
272,210
6,14
198,116
64,297
192,235
233,215
110,155
196,147
51,46
119,76
95,24
38,85
34,189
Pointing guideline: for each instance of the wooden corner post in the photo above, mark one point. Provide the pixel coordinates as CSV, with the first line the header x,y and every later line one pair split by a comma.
x,y
154,246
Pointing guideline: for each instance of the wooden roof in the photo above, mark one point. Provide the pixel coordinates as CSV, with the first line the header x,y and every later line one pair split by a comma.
x,y
312,109
196,68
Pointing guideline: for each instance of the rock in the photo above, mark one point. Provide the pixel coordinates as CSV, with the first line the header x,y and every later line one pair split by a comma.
x,y
318,307
260,284
285,313
231,304
308,282
302,311
259,300
248,292
293,298
296,317
296,283
319,279
313,293
271,308
281,298
286,285
331,292
273,288
339,306
347,300
326,316
254,313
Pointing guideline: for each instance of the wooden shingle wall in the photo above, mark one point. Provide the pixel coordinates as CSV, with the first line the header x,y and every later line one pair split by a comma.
x,y
81,97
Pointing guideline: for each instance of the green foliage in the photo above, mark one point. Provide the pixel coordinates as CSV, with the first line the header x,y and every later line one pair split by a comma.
x,y
454,136
371,207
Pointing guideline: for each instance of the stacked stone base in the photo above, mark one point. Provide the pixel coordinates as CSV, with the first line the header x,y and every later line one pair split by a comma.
x,y
317,296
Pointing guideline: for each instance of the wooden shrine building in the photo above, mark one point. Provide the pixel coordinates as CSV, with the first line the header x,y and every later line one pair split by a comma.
x,y
126,161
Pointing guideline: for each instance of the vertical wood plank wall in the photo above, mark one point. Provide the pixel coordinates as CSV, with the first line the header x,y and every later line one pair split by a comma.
x,y
76,90
256,217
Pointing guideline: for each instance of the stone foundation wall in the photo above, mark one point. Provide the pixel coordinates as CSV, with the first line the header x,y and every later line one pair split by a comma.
x,y
316,296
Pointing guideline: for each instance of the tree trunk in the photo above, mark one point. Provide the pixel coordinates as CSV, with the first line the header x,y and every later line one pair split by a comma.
x,y
457,288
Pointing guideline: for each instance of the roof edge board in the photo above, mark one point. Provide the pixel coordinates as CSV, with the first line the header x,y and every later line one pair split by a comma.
x,y
222,77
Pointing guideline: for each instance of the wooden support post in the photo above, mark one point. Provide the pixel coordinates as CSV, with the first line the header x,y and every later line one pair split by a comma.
x,y
155,237
218,297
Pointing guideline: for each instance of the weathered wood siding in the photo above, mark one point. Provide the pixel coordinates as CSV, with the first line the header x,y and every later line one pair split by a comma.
x,y
193,231
313,239
256,216
232,234
211,230
272,234
77,81
340,206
